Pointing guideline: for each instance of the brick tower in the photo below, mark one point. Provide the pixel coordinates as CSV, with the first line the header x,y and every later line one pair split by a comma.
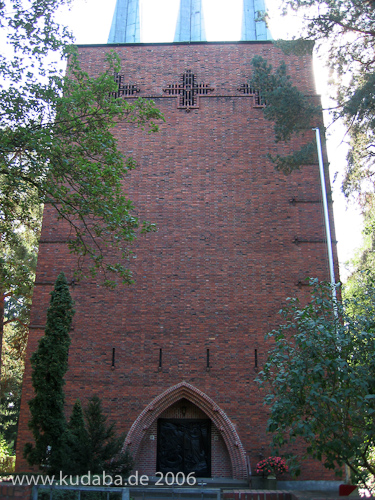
x,y
175,356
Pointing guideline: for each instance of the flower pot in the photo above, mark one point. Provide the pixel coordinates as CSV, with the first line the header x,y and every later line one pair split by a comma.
x,y
263,483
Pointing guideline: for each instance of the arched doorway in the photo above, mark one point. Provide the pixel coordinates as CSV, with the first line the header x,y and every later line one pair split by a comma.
x,y
216,441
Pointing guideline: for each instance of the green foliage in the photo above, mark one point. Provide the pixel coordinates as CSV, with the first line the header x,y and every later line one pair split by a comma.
x,y
18,249
93,445
358,111
57,148
363,263
10,400
56,141
32,35
320,379
344,36
18,262
290,110
7,458
363,276
297,47
17,271
71,161
5,450
77,441
347,25
50,363
288,163
104,446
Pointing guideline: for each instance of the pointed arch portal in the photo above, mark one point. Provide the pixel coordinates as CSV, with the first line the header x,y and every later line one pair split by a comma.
x,y
207,405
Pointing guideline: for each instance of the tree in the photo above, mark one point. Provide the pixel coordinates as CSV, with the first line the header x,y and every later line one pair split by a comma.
x,y
18,257
344,37
104,445
290,110
363,262
77,447
77,459
57,148
50,363
17,268
344,32
319,375
320,379
92,445
10,386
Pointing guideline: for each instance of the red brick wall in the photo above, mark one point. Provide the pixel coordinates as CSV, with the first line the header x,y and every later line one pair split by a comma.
x,y
223,260
259,495
8,491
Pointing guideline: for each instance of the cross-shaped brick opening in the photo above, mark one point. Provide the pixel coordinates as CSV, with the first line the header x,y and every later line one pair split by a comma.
x,y
123,89
188,91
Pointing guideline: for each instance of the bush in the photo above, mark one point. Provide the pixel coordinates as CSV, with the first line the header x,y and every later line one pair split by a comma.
x,y
7,459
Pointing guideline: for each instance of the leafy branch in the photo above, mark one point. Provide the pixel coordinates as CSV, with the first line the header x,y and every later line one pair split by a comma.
x,y
290,110
319,379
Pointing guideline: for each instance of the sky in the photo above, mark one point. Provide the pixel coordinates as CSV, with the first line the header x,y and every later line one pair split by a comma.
x,y
90,22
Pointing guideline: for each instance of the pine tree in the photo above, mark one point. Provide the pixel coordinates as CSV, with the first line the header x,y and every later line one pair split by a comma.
x,y
77,440
50,363
105,447
292,112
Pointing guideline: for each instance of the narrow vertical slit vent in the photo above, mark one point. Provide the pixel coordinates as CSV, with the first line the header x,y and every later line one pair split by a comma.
x,y
160,358
113,356
207,359
256,358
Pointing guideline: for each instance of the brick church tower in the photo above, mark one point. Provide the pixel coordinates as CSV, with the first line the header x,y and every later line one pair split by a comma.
x,y
174,357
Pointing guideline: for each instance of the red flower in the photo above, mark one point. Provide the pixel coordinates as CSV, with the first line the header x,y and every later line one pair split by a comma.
x,y
272,465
